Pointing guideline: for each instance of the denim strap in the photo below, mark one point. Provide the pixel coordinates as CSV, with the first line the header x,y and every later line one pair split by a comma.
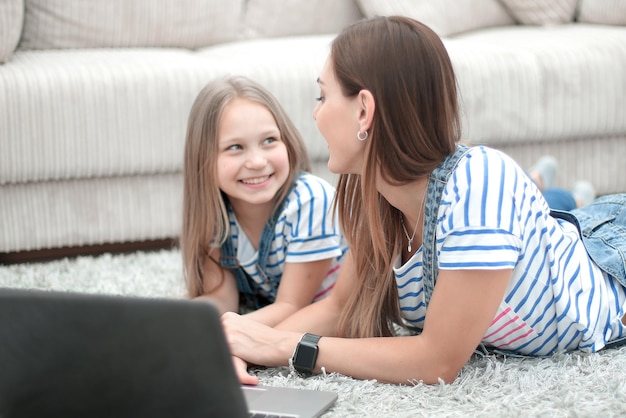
x,y
436,184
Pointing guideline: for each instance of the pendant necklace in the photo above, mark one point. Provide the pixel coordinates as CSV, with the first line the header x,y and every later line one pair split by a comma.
x,y
419,216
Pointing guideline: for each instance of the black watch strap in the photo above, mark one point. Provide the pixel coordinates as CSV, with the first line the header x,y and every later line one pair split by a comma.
x,y
305,354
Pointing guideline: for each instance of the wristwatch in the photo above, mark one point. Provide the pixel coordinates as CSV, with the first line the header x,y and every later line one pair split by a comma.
x,y
305,354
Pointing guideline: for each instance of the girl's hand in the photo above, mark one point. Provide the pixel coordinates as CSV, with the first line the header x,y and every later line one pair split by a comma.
x,y
241,368
256,343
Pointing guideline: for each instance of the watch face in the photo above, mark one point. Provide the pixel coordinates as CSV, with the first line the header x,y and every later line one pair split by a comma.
x,y
306,356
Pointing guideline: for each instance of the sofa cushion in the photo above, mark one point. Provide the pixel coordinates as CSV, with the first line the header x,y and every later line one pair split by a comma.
x,y
608,12
11,19
268,18
521,85
129,23
445,17
542,12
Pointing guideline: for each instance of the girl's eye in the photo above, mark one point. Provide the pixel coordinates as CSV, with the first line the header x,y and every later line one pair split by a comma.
x,y
269,140
320,99
233,147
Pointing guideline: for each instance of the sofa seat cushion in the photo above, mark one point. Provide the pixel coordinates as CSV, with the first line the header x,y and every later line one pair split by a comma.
x,y
106,112
530,84
85,113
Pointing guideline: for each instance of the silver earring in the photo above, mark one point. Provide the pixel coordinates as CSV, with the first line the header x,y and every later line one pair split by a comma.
x,y
361,138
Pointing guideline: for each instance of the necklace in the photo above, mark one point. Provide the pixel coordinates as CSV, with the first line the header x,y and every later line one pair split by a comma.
x,y
419,216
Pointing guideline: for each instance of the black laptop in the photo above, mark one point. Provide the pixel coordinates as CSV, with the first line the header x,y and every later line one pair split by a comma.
x,y
78,355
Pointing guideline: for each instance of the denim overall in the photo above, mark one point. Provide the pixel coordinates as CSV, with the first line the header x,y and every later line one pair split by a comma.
x,y
250,296
602,226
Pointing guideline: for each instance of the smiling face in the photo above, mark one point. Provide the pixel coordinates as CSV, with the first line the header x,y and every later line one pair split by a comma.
x,y
252,161
337,119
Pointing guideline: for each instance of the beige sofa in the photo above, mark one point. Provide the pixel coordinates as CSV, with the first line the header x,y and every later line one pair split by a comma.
x,y
94,95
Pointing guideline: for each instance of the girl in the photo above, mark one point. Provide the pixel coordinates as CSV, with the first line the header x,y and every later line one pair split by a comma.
x,y
256,225
454,240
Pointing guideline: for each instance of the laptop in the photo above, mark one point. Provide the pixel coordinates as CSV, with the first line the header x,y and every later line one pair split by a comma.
x,y
79,355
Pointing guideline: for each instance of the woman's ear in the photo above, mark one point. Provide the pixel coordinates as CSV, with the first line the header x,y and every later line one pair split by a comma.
x,y
366,109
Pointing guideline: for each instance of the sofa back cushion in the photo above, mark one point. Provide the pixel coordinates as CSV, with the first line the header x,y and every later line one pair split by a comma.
x,y
607,12
270,18
542,12
129,23
445,17
11,19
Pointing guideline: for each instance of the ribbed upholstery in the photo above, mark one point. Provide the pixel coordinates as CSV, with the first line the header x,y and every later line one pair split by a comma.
x,y
11,19
90,211
521,84
83,113
129,23
607,12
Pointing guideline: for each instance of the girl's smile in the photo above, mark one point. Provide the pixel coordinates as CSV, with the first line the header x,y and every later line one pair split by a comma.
x,y
255,181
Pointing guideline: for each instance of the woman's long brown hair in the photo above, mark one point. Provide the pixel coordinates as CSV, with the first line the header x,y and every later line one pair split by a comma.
x,y
205,219
405,66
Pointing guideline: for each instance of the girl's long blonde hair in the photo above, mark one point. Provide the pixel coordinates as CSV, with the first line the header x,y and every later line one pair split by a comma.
x,y
416,125
205,219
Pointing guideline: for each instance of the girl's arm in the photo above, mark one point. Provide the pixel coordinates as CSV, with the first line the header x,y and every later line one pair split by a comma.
x,y
219,285
462,307
298,286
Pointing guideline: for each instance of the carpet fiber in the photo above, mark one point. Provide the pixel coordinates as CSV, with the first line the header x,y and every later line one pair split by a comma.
x,y
570,385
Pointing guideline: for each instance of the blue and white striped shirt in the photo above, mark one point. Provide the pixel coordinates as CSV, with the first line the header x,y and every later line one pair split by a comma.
x,y
557,299
305,231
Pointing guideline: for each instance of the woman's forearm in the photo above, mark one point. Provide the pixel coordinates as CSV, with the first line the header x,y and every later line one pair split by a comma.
x,y
400,360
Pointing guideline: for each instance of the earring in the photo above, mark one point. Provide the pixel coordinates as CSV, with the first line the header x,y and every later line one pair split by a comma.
x,y
361,138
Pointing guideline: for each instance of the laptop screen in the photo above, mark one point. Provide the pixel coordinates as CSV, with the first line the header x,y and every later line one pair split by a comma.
x,y
79,355
76,355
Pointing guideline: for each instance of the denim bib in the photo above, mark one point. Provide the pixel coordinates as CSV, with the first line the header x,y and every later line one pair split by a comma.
x,y
247,287
602,227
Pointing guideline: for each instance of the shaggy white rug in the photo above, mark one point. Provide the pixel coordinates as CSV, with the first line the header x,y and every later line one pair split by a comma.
x,y
571,385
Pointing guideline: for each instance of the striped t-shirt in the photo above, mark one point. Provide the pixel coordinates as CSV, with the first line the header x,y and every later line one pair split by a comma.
x,y
557,299
305,231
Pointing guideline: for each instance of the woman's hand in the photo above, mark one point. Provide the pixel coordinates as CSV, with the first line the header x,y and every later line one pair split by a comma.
x,y
241,368
256,343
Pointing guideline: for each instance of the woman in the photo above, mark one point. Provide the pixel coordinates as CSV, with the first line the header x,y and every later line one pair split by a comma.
x,y
416,206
